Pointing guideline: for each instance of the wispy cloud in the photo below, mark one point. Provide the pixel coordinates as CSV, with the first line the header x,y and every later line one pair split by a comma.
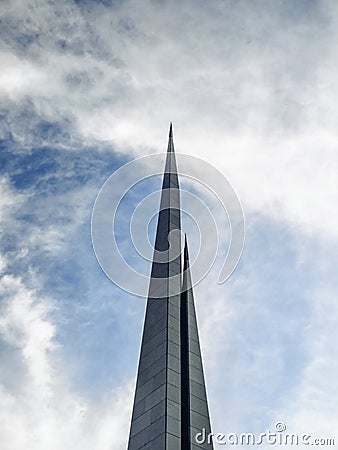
x,y
36,398
268,334
256,80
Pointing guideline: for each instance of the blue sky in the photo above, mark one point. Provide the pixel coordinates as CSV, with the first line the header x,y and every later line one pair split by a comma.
x,y
86,87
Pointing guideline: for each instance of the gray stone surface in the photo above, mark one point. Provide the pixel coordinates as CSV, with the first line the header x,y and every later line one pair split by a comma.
x,y
170,404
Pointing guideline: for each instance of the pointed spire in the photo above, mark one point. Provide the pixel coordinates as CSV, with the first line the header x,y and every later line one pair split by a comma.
x,y
170,402
170,171
171,139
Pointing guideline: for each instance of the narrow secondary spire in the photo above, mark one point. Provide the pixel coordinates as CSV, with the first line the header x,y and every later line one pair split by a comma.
x,y
186,253
194,403
171,130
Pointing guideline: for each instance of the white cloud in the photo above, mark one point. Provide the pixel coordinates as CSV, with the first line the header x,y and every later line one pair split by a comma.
x,y
312,406
242,76
9,199
42,406
24,326
269,341
43,411
18,76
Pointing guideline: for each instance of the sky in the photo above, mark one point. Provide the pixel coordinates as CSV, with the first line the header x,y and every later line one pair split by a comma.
x,y
87,86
